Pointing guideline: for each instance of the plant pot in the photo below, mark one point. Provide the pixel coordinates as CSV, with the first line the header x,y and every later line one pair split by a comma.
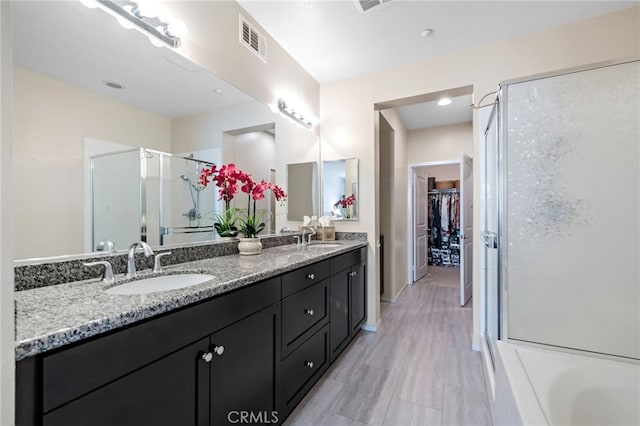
x,y
249,246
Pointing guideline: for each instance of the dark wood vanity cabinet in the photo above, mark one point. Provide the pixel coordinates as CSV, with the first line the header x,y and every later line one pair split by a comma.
x,y
348,299
252,352
202,365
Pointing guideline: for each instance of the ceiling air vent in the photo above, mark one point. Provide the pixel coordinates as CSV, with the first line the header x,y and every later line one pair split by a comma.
x,y
367,5
252,39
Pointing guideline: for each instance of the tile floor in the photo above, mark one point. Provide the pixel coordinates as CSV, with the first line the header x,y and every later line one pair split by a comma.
x,y
418,369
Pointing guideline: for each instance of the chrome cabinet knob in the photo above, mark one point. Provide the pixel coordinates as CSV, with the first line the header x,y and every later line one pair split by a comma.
x,y
308,312
219,350
207,356
309,364
311,276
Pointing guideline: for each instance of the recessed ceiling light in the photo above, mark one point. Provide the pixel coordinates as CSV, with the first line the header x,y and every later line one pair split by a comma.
x,y
444,101
427,32
113,85
218,91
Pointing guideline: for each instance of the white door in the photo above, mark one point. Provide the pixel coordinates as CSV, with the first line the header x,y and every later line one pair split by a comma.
x,y
466,228
421,226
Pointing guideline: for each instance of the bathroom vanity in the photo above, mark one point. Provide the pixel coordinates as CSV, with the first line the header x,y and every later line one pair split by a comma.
x,y
248,345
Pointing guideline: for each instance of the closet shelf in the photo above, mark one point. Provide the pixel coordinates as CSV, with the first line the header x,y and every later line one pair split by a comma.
x,y
444,191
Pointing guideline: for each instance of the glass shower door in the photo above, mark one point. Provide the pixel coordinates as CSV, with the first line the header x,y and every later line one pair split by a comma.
x,y
489,234
571,229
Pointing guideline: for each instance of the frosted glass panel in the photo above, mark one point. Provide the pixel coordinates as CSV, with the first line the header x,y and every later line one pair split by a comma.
x,y
116,198
572,210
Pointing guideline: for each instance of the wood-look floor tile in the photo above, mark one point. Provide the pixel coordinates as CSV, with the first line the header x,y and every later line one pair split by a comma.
x,y
347,365
406,413
464,407
464,369
421,381
367,397
426,343
318,404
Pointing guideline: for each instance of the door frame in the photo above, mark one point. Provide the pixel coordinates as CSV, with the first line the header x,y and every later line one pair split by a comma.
x,y
410,216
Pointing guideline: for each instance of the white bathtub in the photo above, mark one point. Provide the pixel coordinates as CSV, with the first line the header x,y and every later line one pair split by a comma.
x,y
543,387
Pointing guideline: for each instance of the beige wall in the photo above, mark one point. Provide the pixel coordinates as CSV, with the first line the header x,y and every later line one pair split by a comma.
x,y
395,238
347,106
7,314
450,172
441,143
212,41
50,121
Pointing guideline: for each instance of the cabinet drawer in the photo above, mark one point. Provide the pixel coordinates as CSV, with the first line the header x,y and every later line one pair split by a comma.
x,y
304,366
301,312
347,260
304,277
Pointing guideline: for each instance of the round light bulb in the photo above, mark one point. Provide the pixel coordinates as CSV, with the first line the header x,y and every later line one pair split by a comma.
x,y
148,8
177,28
155,41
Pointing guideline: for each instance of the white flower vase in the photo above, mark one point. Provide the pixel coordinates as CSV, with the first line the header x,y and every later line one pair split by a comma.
x,y
249,246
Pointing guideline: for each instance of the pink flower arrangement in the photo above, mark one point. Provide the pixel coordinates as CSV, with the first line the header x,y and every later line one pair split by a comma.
x,y
227,178
345,201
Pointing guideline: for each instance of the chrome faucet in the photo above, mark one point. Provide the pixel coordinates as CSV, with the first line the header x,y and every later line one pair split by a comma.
x,y
313,232
131,262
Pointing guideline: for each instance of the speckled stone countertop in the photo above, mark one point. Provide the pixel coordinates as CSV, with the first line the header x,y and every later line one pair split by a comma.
x,y
53,316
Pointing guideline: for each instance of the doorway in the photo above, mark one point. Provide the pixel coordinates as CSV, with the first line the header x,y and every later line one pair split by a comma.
x,y
440,239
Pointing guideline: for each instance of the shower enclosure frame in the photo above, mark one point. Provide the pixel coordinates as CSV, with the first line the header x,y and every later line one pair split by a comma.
x,y
502,106
142,199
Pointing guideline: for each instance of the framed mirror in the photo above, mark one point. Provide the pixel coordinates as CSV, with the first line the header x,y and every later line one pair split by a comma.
x,y
302,182
84,87
340,189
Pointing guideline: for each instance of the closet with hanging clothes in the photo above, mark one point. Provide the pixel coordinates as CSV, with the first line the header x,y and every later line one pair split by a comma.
x,y
444,227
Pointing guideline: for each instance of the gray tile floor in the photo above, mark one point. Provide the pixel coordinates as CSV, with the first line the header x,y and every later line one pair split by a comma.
x,y
418,369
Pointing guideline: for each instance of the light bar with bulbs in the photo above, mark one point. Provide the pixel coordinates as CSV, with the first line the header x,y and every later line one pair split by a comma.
x,y
131,11
294,115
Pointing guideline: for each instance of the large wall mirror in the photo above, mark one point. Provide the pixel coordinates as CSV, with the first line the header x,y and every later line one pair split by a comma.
x,y
302,183
340,189
100,111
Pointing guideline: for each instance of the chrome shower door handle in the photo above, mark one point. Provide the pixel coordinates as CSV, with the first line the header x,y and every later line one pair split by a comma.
x,y
490,239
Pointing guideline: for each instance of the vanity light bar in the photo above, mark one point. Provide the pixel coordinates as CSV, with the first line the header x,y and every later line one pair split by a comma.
x,y
292,114
130,10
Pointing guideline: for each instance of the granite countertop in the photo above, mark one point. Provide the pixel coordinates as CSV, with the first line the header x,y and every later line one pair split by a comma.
x,y
53,316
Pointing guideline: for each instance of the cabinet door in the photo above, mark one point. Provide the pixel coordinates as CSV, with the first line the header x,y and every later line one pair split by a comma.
x,y
242,374
339,312
162,393
358,297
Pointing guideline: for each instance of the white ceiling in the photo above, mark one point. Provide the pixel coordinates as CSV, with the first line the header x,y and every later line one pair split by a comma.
x,y
329,38
430,114
70,42
333,40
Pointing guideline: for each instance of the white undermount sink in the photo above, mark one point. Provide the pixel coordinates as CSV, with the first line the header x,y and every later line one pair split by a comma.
x,y
160,283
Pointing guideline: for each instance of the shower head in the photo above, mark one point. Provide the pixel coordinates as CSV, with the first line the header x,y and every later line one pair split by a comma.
x,y
185,178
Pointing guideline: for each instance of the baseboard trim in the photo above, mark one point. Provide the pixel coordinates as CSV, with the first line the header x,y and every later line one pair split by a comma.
x,y
370,327
393,299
